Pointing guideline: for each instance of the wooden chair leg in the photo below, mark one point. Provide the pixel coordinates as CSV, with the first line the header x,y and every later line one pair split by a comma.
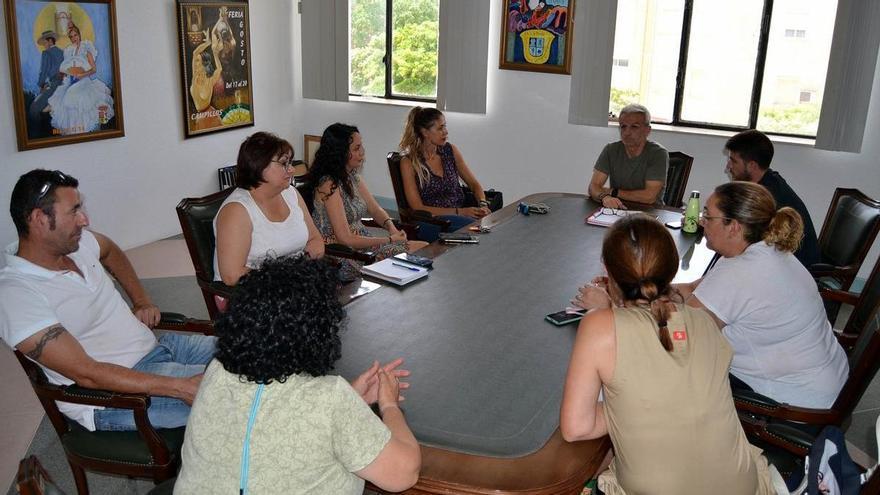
x,y
79,476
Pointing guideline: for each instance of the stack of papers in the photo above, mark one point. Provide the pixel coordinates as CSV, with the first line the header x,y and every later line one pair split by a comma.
x,y
394,271
603,217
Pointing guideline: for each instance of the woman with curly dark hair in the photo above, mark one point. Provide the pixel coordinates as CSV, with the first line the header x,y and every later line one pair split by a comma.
x,y
663,368
268,418
342,199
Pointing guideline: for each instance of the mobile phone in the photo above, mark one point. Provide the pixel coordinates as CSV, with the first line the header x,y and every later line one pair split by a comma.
x,y
675,224
415,260
562,318
459,238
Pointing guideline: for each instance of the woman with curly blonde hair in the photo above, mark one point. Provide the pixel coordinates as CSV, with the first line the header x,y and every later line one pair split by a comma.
x,y
765,301
432,170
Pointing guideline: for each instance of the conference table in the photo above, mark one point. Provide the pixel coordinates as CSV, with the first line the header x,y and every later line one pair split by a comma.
x,y
487,369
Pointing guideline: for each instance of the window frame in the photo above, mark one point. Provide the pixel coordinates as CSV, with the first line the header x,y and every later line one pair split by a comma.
x,y
757,81
387,63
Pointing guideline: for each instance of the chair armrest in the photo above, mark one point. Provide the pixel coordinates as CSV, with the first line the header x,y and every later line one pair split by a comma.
x,y
343,251
827,270
137,403
841,296
846,340
182,323
760,405
410,229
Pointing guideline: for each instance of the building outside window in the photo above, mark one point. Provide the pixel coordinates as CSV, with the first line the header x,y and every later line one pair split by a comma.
x,y
393,48
724,65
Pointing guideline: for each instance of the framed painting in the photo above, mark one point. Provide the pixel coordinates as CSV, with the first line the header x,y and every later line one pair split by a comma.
x,y
310,147
536,35
215,63
64,68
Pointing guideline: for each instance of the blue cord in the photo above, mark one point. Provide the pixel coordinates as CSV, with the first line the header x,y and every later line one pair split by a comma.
x,y
246,451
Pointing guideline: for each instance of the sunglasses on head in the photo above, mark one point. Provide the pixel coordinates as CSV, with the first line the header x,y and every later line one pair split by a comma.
x,y
44,189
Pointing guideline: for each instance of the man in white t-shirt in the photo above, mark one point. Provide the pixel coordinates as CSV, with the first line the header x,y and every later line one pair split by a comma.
x,y
59,307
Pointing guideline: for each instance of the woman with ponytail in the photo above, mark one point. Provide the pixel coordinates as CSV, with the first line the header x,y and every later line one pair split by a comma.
x,y
664,370
765,301
431,169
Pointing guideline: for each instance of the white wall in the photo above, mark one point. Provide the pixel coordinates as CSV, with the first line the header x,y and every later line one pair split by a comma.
x,y
132,184
524,143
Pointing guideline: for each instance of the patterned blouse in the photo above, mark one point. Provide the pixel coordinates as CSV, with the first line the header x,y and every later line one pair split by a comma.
x,y
443,192
355,209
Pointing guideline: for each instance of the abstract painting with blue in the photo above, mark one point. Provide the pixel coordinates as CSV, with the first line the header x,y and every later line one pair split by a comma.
x,y
536,35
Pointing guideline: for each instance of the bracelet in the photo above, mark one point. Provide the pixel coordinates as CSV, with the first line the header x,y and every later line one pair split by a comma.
x,y
601,196
483,202
387,220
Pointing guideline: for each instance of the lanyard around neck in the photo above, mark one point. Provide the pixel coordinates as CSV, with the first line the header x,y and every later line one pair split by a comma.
x,y
246,450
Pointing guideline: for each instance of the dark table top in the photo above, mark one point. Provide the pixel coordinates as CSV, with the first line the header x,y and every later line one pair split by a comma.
x,y
487,369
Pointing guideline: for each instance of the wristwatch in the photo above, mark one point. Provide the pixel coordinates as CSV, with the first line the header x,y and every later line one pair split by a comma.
x,y
483,202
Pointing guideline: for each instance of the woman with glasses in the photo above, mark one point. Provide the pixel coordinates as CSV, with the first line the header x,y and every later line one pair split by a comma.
x,y
341,199
663,367
271,417
431,168
264,216
765,301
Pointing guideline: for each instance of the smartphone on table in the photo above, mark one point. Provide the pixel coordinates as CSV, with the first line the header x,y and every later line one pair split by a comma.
x,y
565,317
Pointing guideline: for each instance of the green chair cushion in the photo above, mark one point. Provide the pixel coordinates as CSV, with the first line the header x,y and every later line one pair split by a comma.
x,y
117,446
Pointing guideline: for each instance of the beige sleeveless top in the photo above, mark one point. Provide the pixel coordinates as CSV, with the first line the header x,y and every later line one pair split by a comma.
x,y
671,415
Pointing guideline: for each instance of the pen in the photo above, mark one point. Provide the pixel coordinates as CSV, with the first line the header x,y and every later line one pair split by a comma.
x,y
410,268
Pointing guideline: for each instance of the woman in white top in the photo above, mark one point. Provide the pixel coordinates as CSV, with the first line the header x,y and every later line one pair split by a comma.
x,y
82,103
765,301
264,216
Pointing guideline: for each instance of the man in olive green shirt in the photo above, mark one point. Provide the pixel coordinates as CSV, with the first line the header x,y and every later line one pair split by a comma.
x,y
634,168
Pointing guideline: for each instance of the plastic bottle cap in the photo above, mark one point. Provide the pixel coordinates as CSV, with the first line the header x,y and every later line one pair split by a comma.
x,y
695,194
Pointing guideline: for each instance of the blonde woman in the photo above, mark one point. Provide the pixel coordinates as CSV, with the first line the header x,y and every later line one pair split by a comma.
x,y
432,169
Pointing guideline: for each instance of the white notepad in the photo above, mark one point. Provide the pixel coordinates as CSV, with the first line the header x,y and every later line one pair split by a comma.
x,y
394,271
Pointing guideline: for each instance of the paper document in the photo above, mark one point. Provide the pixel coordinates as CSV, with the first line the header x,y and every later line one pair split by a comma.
x,y
394,271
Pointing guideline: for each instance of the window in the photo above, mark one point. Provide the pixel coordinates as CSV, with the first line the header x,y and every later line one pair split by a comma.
x,y
724,65
393,48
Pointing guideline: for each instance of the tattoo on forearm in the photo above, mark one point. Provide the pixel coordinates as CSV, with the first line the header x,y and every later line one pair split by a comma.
x,y
51,334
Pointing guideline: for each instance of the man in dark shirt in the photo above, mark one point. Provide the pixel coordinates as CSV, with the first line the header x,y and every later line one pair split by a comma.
x,y
748,158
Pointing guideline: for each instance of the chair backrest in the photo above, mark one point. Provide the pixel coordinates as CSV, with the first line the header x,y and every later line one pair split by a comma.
x,y
226,176
394,159
864,358
867,306
676,178
850,227
196,217
304,187
33,479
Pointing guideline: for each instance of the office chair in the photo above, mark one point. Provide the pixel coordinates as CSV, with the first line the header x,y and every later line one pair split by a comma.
x,y
676,178
145,453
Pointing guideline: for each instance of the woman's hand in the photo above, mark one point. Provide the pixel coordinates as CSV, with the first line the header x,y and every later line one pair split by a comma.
x,y
593,296
474,212
389,390
367,384
399,236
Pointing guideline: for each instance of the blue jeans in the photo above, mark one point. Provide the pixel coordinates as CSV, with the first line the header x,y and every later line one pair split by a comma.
x,y
429,232
177,355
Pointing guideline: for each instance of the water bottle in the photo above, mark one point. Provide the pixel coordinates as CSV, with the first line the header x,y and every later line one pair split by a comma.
x,y
692,213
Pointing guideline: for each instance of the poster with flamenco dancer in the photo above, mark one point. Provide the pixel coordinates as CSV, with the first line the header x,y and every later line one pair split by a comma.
x,y
216,65
64,67
536,35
